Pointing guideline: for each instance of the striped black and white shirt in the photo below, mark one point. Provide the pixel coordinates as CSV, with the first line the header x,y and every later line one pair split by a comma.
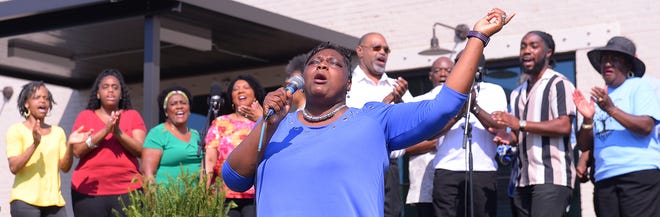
x,y
544,159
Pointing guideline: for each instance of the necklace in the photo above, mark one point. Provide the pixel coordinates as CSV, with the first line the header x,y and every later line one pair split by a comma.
x,y
174,129
324,117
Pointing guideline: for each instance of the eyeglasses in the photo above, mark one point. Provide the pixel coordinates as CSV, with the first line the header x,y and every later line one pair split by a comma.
x,y
333,62
378,48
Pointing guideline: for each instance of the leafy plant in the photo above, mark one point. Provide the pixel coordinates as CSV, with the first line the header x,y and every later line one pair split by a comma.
x,y
184,195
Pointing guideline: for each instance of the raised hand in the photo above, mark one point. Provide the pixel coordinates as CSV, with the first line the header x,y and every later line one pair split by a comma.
x,y
78,136
584,106
599,94
36,133
114,122
400,88
493,22
280,101
252,112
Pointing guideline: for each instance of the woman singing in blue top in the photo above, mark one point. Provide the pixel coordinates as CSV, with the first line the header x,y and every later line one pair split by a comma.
x,y
328,159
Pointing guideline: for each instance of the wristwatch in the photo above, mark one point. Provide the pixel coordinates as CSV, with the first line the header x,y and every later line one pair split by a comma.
x,y
90,145
522,124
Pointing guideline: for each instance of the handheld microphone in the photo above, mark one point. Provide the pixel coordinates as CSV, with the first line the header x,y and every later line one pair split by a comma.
x,y
295,83
215,99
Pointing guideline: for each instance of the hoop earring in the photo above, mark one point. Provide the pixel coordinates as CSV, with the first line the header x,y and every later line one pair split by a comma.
x,y
26,114
631,74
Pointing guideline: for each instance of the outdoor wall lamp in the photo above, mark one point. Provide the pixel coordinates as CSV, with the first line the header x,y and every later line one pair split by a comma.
x,y
460,34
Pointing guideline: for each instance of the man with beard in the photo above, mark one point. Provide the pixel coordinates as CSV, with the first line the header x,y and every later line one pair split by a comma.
x,y
542,111
370,83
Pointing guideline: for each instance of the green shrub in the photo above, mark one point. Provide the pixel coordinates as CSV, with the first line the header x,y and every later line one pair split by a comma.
x,y
185,196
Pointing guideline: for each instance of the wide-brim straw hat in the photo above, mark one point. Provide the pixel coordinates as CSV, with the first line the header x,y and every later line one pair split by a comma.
x,y
621,45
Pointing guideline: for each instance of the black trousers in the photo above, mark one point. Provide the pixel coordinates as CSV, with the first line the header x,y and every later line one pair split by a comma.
x,y
424,209
545,200
450,196
97,206
393,200
19,208
631,194
244,208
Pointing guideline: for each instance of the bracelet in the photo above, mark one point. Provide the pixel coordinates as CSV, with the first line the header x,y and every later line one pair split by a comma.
x,y
90,145
475,109
485,39
587,126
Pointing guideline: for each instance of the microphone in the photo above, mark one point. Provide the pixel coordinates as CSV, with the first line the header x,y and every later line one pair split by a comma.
x,y
215,99
295,83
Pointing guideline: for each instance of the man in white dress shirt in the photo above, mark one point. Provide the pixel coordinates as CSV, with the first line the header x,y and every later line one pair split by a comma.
x,y
420,166
451,159
370,83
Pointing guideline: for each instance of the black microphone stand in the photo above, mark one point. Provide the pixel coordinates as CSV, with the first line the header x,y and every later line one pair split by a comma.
x,y
210,116
467,143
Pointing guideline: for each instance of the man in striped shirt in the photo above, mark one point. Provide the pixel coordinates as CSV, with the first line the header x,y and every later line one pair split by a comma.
x,y
542,110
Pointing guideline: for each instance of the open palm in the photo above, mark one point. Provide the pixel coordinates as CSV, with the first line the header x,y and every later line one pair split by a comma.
x,y
584,106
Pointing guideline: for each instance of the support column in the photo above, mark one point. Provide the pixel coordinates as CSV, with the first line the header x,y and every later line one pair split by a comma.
x,y
151,70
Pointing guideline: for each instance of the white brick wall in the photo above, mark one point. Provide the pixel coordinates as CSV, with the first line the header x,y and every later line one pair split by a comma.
x,y
407,24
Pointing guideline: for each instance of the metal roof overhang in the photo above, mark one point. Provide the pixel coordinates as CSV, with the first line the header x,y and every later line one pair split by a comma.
x,y
69,42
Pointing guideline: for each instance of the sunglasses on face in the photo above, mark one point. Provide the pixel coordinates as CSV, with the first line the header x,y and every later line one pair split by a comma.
x,y
378,48
612,58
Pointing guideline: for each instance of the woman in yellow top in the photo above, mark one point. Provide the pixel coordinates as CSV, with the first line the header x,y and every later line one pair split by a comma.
x,y
37,152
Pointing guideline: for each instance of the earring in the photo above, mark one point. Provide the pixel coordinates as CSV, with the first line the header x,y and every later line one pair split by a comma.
x,y
26,114
631,74
232,106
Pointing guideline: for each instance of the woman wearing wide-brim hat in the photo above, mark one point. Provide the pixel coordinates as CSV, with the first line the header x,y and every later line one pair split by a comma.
x,y
621,133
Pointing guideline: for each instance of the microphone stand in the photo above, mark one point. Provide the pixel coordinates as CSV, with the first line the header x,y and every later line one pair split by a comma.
x,y
467,143
210,116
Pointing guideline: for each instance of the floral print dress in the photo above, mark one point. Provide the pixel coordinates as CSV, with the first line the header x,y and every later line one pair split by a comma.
x,y
225,134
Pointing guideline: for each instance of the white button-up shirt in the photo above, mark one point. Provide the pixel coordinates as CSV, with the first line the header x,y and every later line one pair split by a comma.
x,y
364,90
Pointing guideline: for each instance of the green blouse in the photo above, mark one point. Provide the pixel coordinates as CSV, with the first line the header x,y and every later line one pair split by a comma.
x,y
176,153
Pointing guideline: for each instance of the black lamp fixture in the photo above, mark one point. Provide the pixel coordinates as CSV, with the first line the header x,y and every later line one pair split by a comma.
x,y
460,33
7,92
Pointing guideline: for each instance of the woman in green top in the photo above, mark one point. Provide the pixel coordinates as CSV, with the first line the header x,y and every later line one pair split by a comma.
x,y
171,145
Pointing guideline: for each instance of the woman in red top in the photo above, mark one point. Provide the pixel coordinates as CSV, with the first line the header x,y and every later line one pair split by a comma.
x,y
108,159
